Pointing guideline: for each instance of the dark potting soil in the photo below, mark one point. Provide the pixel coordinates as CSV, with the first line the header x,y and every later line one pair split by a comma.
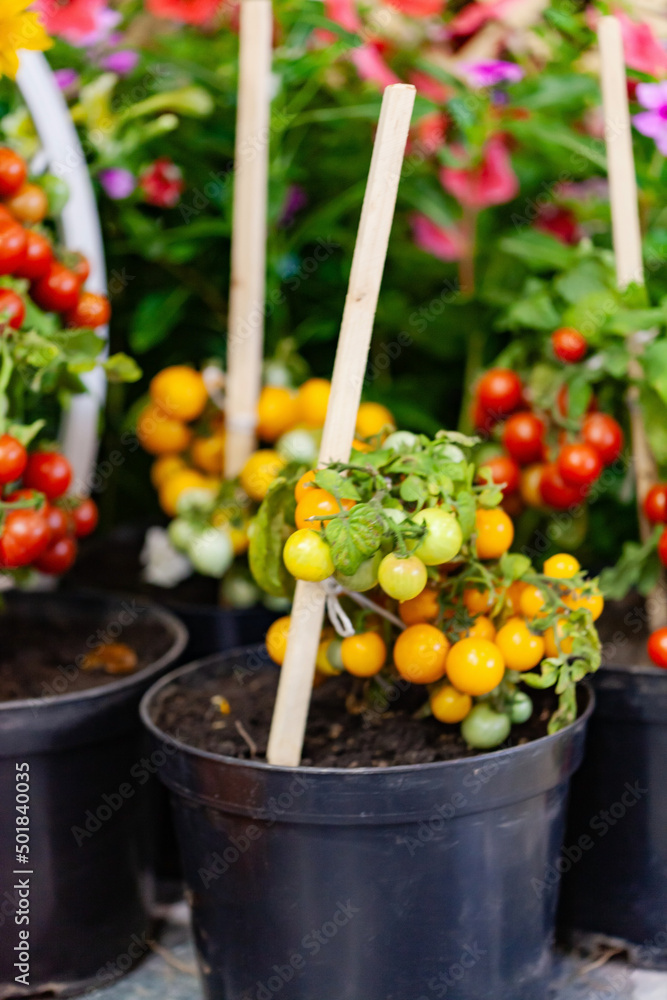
x,y
42,658
335,737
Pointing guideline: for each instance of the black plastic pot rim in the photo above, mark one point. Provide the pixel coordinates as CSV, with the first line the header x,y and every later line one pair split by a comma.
x,y
162,614
350,773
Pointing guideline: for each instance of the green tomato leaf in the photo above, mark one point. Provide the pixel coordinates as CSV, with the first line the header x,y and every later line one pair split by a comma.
x,y
616,581
654,414
122,368
514,566
337,484
466,509
413,490
271,528
354,538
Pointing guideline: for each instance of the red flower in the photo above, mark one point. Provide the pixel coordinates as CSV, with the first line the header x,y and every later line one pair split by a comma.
x,y
162,183
418,8
77,21
344,12
445,244
475,15
492,182
429,87
559,222
188,11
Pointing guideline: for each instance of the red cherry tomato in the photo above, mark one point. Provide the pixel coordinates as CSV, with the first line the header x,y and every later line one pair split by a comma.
x,y
85,518
58,557
655,504
13,172
59,522
569,345
499,391
579,464
523,437
13,247
91,310
58,290
657,647
13,459
557,493
49,472
662,548
605,435
38,257
25,535
12,308
504,470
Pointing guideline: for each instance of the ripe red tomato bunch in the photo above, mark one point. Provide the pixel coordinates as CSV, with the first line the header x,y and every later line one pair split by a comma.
x,y
543,461
26,252
39,524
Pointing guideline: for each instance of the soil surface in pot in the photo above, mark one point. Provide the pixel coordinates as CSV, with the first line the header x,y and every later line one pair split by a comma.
x,y
335,736
42,658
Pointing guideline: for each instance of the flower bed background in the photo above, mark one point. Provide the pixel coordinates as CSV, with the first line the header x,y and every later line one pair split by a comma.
x,y
505,176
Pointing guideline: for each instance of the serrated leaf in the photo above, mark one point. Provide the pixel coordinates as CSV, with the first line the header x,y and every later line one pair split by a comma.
x,y
271,528
354,538
616,581
337,484
413,490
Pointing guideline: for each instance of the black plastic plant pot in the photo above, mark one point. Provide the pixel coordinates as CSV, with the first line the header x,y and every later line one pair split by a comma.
x,y
615,890
415,882
113,563
76,781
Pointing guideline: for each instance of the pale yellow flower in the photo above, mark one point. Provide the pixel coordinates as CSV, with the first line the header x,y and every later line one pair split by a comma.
x,y
19,29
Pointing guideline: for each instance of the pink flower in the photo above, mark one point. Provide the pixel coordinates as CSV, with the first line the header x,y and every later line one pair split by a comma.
x,y
117,182
418,8
492,182
445,244
162,183
643,51
653,122
429,133
491,72
371,66
199,12
429,87
475,15
79,22
344,12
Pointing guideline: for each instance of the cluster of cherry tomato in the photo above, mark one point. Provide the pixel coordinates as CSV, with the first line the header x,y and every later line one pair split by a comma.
x,y
39,524
540,462
460,666
27,252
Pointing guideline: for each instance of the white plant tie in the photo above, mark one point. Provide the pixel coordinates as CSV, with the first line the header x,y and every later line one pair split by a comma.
x,y
339,619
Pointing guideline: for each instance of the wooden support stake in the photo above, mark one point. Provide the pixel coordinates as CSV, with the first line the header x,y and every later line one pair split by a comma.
x,y
245,338
628,253
296,678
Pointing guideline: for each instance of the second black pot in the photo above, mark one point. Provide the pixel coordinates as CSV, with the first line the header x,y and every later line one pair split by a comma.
x,y
382,884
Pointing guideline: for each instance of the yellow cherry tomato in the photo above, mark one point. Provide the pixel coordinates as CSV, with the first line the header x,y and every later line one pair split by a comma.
x,y
513,595
259,472
187,479
422,608
475,666
179,391
161,434
483,628
520,648
208,454
307,482
420,654
495,533
561,567
532,602
277,412
590,602
307,556
164,467
374,419
313,400
402,579
364,655
448,704
276,639
316,503
552,638
477,602
529,485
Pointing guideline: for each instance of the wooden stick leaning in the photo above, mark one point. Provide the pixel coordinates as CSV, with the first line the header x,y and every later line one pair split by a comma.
x,y
626,229
296,678
245,341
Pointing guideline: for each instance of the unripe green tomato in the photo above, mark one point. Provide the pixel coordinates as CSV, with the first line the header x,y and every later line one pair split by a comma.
x,y
400,441
181,533
402,579
334,655
443,538
239,591
198,500
298,445
366,576
278,604
521,707
212,552
484,728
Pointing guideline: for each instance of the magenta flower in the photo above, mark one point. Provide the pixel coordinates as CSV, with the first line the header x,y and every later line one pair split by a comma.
x,y
653,122
295,199
79,22
117,182
66,78
491,72
445,244
122,62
